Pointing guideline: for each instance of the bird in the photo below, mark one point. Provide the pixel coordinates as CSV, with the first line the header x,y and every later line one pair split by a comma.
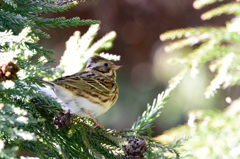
x,y
89,93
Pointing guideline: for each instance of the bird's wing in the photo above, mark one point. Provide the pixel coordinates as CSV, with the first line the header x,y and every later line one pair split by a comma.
x,y
98,84
49,83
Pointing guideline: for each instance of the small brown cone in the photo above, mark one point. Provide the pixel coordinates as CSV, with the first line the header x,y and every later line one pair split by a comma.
x,y
64,120
8,70
135,148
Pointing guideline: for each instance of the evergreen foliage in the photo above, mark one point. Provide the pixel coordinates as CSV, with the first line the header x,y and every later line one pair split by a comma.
x,y
209,133
26,113
16,15
217,45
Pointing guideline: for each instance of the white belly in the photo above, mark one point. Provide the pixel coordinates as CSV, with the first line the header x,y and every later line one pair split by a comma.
x,y
77,104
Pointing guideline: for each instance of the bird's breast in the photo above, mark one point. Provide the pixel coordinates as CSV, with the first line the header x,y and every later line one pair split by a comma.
x,y
76,100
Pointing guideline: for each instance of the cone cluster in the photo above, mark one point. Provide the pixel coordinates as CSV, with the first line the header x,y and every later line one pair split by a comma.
x,y
64,120
135,148
8,70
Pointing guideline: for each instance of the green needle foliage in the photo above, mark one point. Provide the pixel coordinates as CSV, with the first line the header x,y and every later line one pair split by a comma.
x,y
16,15
144,122
209,133
217,45
26,112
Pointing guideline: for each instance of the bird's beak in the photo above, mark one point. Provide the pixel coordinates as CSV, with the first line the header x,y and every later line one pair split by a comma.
x,y
115,67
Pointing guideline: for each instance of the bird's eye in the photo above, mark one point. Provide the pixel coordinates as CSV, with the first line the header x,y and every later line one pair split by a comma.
x,y
105,65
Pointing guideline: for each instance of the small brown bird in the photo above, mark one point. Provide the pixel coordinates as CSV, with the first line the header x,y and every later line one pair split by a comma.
x,y
89,93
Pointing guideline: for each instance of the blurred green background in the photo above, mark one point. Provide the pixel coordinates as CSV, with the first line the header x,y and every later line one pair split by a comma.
x,y
138,24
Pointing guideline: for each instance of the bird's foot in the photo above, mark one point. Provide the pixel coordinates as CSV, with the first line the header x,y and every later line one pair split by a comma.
x,y
97,122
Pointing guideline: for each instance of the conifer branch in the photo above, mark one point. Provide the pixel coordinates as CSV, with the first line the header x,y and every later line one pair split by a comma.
x,y
186,42
221,50
62,21
184,33
222,76
145,121
214,43
198,4
231,8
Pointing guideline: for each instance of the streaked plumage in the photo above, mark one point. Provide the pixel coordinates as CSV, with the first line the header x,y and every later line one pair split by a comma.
x,y
91,92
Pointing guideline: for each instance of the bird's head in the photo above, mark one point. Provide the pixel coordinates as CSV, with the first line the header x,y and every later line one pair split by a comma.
x,y
105,66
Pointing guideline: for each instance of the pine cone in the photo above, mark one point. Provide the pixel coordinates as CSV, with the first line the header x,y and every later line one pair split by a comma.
x,y
64,120
135,148
8,70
